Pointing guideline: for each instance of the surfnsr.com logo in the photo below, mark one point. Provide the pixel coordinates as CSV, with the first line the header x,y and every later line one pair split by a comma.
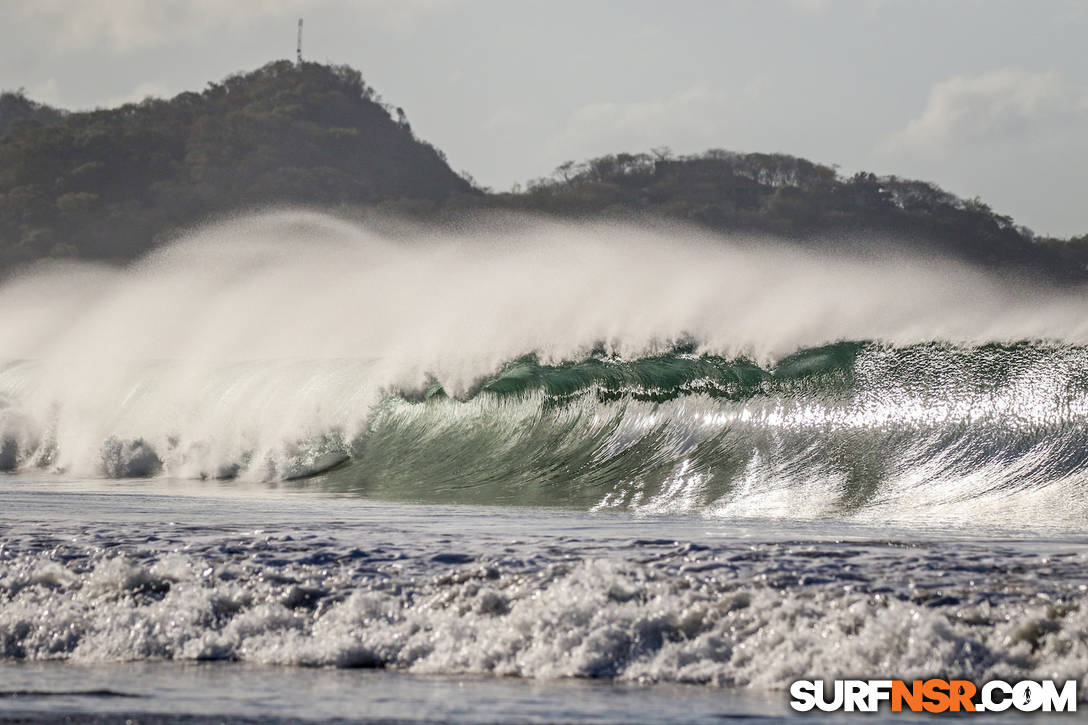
x,y
934,696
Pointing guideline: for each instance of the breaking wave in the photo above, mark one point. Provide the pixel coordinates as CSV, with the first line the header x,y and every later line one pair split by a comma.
x,y
595,367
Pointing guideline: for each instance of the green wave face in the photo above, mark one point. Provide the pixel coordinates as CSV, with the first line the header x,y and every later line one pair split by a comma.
x,y
849,430
845,430
385,360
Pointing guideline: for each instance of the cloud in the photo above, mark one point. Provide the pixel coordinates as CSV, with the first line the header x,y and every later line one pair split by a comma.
x,y
996,107
1014,137
693,118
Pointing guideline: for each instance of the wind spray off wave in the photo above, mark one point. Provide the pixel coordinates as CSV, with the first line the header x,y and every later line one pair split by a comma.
x,y
595,366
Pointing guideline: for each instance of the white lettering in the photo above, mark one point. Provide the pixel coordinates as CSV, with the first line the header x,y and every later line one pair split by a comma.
x,y
996,705
804,695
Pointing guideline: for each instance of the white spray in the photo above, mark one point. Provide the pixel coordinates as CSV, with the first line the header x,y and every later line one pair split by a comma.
x,y
286,325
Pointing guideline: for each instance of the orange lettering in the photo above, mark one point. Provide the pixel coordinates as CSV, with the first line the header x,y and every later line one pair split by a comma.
x,y
912,695
961,692
936,691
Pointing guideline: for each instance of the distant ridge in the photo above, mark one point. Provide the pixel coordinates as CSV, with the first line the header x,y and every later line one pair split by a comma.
x,y
107,184
789,197
111,184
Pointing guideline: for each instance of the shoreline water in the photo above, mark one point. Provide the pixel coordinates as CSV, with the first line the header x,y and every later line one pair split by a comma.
x,y
599,617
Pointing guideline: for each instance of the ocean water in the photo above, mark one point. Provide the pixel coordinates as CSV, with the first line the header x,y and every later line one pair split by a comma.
x,y
290,469
168,598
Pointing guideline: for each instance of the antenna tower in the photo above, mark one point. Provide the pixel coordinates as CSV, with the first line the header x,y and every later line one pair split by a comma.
x,y
298,51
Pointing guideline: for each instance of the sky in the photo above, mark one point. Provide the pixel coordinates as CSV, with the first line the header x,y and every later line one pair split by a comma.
x,y
985,98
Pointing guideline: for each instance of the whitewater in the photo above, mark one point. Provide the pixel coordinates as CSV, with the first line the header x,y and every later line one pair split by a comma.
x,y
651,472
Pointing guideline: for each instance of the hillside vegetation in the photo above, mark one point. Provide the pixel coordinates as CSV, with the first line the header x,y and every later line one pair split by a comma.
x,y
795,198
110,184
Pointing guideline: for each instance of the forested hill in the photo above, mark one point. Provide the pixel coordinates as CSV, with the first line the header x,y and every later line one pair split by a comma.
x,y
110,184
790,197
16,107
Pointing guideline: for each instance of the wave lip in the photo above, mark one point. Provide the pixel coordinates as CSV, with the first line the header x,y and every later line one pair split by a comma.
x,y
595,366
856,430
845,430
